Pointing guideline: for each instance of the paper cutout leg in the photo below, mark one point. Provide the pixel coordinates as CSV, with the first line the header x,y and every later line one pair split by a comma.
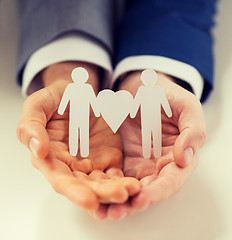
x,y
84,141
146,141
157,140
73,138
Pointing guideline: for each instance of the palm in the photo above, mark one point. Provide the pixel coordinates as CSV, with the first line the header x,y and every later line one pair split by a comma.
x,y
134,163
163,177
105,147
90,181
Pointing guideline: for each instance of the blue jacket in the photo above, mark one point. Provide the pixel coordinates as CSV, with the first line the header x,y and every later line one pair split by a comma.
x,y
178,29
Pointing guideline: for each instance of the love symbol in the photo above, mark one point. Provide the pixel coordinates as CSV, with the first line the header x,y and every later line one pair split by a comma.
x,y
114,107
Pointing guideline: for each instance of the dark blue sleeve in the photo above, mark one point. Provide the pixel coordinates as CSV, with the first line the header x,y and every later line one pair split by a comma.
x,y
177,29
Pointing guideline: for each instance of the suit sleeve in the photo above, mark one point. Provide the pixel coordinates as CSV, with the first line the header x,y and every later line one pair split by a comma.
x,y
177,29
43,21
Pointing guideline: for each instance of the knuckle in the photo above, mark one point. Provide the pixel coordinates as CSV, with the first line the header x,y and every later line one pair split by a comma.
x,y
196,102
31,99
57,188
57,185
20,130
193,100
177,184
38,97
202,136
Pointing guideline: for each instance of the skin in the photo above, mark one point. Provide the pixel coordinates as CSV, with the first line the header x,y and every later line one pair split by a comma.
x,y
87,182
182,137
115,169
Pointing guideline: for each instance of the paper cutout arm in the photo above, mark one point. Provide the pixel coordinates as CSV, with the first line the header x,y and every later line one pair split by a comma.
x,y
136,103
93,102
64,101
165,104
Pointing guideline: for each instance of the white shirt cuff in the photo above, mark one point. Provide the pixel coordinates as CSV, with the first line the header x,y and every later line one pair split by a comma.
x,y
165,65
71,47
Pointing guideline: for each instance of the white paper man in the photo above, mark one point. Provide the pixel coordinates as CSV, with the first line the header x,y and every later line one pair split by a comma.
x,y
80,95
151,97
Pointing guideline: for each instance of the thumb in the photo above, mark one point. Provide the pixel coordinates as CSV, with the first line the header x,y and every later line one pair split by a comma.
x,y
31,130
187,145
33,135
192,136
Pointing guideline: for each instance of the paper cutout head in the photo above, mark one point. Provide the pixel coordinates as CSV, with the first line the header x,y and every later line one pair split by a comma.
x,y
80,75
149,77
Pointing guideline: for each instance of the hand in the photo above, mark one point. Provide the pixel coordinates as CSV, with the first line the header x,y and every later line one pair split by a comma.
x,y
182,137
87,182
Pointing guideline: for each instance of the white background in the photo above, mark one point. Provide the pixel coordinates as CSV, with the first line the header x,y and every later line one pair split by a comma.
x,y
31,210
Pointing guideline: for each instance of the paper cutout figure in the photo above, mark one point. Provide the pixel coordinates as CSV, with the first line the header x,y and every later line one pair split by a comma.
x,y
150,98
80,96
114,107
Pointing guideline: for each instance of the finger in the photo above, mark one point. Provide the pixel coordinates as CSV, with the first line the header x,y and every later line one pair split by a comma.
x,y
144,202
81,176
108,191
120,211
132,185
97,175
76,191
100,213
154,193
114,173
168,183
81,165
104,157
192,136
63,182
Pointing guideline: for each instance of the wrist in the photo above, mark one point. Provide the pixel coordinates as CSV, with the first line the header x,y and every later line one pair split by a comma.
x,y
63,70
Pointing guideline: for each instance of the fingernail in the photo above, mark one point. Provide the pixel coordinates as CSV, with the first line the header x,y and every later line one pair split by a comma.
x,y
144,207
188,155
94,215
34,145
122,216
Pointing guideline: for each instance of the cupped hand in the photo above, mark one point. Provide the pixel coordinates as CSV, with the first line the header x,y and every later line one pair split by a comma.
x,y
182,137
88,182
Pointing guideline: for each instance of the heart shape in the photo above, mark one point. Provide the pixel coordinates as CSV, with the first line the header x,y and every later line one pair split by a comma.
x,y
114,107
